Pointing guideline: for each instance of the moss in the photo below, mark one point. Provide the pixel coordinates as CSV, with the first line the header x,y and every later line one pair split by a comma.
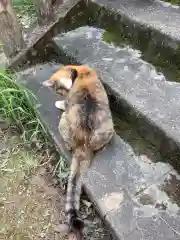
x,y
173,1
111,37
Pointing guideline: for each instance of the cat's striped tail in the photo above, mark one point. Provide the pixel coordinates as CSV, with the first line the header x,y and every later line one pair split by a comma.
x,y
80,163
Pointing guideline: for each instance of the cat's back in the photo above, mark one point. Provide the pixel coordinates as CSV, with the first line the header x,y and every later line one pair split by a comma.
x,y
87,104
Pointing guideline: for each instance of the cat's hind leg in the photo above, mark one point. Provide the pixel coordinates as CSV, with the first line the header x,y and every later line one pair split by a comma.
x,y
65,131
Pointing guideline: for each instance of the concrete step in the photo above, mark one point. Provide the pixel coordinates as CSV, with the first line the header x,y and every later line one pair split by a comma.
x,y
145,95
138,198
150,24
156,15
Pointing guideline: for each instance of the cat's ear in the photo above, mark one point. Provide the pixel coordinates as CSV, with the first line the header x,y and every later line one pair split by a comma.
x,y
48,83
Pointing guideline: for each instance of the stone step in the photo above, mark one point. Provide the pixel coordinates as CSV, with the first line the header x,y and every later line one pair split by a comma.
x,y
159,15
144,95
145,22
136,197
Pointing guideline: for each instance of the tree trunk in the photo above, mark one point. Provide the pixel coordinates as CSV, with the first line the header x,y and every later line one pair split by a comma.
x,y
10,31
44,8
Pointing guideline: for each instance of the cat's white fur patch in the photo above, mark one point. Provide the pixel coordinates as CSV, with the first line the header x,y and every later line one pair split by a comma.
x,y
66,82
60,105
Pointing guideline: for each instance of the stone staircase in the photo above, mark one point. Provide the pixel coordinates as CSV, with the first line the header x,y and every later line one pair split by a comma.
x,y
135,183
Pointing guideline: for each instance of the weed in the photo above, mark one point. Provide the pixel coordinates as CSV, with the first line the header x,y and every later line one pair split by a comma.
x,y
61,171
22,187
17,106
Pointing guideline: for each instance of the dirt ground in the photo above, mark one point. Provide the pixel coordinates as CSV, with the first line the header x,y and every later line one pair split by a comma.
x,y
31,201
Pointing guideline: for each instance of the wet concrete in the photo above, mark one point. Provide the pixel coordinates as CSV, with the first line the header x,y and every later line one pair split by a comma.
x,y
133,192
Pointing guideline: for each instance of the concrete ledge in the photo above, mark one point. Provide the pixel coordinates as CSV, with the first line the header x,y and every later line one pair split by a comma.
x,y
134,196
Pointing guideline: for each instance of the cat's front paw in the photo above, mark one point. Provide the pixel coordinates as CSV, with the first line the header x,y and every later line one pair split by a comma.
x,y
60,105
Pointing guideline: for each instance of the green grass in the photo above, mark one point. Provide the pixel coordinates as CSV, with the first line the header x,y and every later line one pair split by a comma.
x,y
61,172
24,6
21,216
26,11
17,106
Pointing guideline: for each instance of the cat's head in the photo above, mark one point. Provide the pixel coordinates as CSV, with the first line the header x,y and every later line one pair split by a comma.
x,y
64,77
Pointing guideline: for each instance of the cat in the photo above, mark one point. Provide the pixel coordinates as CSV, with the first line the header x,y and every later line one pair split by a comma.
x,y
86,126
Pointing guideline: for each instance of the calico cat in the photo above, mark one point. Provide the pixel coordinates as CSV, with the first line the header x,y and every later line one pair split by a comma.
x,y
86,126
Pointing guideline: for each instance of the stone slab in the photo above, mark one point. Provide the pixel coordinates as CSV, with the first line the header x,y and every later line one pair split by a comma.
x,y
156,14
152,214
131,79
117,175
